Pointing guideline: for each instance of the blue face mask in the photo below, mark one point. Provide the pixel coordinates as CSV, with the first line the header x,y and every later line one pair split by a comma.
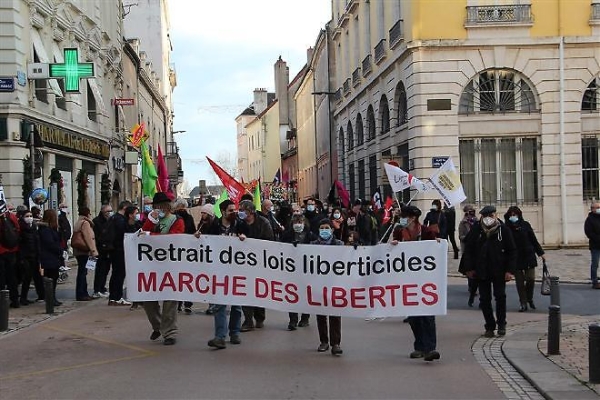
x,y
161,214
403,222
137,217
242,215
514,219
325,234
310,207
148,208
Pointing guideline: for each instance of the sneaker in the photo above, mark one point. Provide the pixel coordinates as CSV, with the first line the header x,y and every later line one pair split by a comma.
x,y
336,350
122,302
61,280
169,341
501,330
432,355
187,310
323,347
96,295
489,333
63,268
416,354
217,343
303,323
155,335
235,339
103,294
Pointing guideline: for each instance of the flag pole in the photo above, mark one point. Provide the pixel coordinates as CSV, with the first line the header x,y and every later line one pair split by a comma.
x,y
411,199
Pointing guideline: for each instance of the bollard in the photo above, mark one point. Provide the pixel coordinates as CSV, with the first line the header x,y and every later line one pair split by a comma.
x,y
554,330
594,353
554,291
49,298
4,310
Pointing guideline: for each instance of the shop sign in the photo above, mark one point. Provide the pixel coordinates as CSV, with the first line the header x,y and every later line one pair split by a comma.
x,y
59,138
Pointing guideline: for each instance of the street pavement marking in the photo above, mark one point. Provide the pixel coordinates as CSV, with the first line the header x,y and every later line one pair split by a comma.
x,y
145,353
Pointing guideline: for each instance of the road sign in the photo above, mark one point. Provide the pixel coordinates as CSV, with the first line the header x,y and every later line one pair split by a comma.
x,y
437,162
123,102
72,70
7,84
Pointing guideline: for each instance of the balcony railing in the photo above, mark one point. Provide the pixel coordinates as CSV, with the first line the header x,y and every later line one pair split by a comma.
x,y
596,13
337,96
500,14
367,65
172,149
356,77
347,86
380,51
351,5
396,33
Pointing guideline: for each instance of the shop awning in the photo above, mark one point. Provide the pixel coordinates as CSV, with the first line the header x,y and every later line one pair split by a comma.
x,y
38,45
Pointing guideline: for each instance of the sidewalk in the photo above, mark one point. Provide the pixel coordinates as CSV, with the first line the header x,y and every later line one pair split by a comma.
x,y
559,377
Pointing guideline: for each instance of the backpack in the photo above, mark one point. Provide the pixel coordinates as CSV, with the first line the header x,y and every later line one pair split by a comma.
x,y
9,236
105,241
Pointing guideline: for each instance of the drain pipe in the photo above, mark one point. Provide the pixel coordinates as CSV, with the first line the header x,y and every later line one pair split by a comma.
x,y
563,178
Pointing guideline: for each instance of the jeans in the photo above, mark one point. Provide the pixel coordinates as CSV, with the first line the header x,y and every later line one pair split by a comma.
x,y
235,320
81,289
485,299
423,328
101,273
594,265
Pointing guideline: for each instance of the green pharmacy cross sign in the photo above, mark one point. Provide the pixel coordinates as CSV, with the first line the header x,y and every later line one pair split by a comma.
x,y
71,70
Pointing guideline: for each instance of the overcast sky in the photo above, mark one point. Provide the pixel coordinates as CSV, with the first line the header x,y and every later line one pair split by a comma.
x,y
222,51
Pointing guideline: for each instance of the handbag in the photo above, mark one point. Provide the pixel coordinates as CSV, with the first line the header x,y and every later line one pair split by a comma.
x,y
78,242
545,289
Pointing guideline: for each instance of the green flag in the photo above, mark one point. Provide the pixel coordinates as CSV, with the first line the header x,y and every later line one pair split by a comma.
x,y
224,196
149,175
257,202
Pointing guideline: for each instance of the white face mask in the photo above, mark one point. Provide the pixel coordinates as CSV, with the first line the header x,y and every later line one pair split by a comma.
x,y
298,227
489,221
337,215
28,220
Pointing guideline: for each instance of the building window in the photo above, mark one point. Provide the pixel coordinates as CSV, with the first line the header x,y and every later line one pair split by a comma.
x,y
384,114
370,123
40,85
360,136
373,184
350,132
342,141
497,91
501,171
352,186
401,105
91,104
589,167
361,179
590,96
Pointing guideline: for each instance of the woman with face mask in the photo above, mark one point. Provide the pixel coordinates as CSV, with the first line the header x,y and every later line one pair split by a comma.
x,y
435,221
527,249
332,334
162,221
408,229
464,227
338,222
133,216
28,256
298,233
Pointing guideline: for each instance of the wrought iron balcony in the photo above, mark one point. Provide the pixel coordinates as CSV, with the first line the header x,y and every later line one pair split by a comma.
x,y
356,77
367,65
380,51
501,14
172,148
396,33
347,86
351,5
595,13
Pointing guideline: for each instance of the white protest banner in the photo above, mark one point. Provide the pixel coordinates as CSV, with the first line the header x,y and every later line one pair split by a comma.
x,y
400,179
370,281
446,180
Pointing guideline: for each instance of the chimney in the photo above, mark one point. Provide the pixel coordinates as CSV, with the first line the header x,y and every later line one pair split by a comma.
x,y
260,100
309,54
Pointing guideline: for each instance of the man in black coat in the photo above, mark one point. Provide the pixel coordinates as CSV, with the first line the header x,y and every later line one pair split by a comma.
x,y
103,262
592,231
490,258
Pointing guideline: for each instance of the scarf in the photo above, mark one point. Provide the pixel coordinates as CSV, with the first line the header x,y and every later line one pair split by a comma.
x,y
165,224
490,231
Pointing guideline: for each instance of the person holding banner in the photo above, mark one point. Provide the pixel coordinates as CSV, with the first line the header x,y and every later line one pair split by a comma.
x,y
298,232
335,322
227,225
490,257
423,326
256,227
161,221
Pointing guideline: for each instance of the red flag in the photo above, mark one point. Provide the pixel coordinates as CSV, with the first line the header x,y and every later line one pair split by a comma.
x,y
387,209
162,182
343,194
235,190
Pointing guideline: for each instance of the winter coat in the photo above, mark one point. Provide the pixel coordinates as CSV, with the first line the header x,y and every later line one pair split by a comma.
x,y
527,244
50,247
437,218
592,230
29,241
291,236
188,221
86,226
259,229
15,222
491,257
64,228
